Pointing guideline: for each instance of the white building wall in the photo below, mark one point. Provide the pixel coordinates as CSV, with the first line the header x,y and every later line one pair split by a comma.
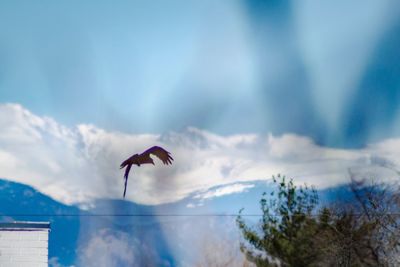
x,y
24,248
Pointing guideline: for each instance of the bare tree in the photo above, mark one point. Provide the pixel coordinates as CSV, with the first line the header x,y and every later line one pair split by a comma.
x,y
366,230
362,231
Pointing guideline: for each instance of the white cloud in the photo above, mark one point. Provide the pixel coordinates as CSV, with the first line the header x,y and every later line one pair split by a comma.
x,y
226,190
108,248
79,164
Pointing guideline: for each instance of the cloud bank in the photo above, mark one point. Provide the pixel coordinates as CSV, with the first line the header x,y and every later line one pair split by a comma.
x,y
109,248
76,165
225,190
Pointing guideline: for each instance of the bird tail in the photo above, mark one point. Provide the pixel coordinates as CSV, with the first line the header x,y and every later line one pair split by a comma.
x,y
128,168
126,181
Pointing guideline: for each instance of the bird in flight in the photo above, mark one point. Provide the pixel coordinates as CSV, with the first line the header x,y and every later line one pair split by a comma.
x,y
145,158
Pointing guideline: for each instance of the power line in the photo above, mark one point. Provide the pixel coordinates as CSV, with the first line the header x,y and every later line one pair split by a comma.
x,y
180,215
133,215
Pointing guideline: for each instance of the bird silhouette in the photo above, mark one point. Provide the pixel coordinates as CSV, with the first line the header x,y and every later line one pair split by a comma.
x,y
145,158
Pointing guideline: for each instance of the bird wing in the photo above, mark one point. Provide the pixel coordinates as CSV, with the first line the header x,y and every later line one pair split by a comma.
x,y
123,164
160,153
128,168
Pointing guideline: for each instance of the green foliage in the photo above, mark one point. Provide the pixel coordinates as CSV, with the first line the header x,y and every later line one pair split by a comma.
x,y
286,229
291,232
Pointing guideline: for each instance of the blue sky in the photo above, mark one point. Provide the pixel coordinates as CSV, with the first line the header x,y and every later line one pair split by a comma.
x,y
228,67
239,86
238,91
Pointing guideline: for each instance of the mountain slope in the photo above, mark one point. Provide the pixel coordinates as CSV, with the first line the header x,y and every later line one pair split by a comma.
x,y
122,233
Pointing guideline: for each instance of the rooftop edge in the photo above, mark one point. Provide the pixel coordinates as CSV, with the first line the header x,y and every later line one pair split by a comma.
x,y
24,226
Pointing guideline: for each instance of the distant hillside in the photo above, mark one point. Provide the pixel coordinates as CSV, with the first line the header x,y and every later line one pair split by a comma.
x,y
178,235
19,199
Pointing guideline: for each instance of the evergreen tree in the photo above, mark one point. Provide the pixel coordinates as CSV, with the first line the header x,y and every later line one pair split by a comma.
x,y
287,230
